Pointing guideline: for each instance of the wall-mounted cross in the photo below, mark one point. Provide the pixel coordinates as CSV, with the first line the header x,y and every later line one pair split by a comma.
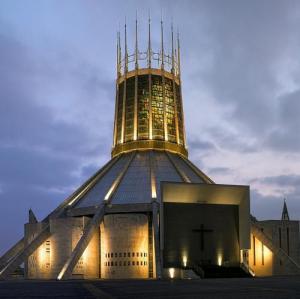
x,y
202,231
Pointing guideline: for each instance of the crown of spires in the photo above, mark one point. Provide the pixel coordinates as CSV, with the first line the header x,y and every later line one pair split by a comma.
x,y
166,61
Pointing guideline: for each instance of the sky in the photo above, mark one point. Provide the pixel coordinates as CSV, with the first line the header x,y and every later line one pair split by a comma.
x,y
241,90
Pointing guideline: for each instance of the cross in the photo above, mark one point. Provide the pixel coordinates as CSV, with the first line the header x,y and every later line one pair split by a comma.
x,y
202,230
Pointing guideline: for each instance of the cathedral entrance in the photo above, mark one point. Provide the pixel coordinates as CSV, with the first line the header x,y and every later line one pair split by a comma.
x,y
202,260
200,234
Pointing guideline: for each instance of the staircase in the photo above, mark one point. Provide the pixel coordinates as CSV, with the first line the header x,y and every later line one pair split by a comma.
x,y
214,271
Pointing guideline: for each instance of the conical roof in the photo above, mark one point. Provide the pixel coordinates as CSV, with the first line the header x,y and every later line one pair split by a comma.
x,y
135,177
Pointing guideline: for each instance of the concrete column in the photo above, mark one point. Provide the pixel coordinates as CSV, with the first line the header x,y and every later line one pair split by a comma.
x,y
158,260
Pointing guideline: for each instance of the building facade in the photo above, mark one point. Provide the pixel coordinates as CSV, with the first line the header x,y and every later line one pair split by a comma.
x,y
150,212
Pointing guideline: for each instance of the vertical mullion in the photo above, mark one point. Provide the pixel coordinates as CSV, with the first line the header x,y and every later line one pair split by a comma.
x,y
150,106
116,114
135,118
123,109
164,107
175,109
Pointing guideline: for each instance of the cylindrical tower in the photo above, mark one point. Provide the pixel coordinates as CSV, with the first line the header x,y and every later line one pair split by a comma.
x,y
149,111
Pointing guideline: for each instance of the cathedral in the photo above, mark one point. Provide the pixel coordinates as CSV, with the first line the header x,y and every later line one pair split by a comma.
x,y
150,212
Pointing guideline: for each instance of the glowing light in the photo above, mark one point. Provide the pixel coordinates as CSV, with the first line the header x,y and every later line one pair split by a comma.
x,y
171,272
220,258
184,260
153,185
76,197
108,194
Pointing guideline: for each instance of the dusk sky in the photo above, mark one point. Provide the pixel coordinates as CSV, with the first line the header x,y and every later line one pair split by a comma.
x,y
241,93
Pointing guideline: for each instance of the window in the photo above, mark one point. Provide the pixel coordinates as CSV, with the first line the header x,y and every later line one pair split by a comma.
x,y
129,109
143,107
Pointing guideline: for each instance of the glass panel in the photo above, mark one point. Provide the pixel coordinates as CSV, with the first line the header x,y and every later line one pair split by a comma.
x,y
129,109
143,107
179,113
170,110
157,108
120,111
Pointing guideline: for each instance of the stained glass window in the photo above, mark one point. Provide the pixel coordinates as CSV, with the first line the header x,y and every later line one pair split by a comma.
x,y
119,112
179,113
157,108
143,107
170,110
129,110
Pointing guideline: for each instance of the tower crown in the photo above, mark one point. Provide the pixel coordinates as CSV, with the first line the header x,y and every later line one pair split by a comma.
x,y
148,110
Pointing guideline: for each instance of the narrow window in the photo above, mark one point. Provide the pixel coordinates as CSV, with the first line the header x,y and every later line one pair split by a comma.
x,y
288,240
254,253
279,232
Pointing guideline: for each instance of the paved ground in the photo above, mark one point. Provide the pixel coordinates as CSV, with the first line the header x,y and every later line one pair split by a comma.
x,y
274,287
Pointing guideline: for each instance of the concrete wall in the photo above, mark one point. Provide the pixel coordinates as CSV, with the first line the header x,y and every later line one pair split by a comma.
x,y
260,258
47,261
124,246
285,235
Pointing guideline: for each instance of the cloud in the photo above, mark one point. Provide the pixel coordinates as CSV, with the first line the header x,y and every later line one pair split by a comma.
x,y
285,137
46,153
241,88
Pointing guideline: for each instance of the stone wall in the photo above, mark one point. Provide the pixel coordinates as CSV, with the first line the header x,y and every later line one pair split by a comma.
x,y
124,246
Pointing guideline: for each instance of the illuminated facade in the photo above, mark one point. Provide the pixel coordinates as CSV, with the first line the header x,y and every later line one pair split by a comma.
x,y
150,212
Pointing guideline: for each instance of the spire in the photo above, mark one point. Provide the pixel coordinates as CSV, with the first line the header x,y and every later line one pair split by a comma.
x,y
162,44
149,42
31,217
126,51
136,43
119,53
118,58
178,52
173,58
285,213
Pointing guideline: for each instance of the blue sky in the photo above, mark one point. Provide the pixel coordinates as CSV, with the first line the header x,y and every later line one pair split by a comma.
x,y
241,90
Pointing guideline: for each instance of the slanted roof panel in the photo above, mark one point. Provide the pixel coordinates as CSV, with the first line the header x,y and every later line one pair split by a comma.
x,y
164,170
135,186
97,193
182,165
